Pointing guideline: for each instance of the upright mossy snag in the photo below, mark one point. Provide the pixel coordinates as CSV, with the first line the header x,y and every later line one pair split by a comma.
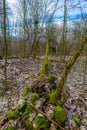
x,y
41,123
34,97
45,63
26,90
77,121
59,115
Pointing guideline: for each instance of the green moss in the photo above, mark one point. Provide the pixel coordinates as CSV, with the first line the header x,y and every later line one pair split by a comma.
x,y
9,127
34,97
47,50
26,90
23,103
29,110
53,98
16,113
41,123
40,76
44,67
45,63
29,125
13,114
78,123
59,115
59,103
51,79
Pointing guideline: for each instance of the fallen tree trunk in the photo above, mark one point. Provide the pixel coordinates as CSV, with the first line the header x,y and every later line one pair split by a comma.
x,y
67,68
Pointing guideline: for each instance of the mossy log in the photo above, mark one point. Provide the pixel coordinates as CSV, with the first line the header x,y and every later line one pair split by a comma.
x,y
68,67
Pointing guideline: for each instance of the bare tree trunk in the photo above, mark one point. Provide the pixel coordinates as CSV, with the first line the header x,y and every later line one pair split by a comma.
x,y
65,29
63,47
36,20
24,42
5,42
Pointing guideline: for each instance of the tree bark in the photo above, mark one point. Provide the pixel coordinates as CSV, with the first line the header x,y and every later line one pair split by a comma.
x,y
5,42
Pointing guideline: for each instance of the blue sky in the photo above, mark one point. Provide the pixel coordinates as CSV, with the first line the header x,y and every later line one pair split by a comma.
x,y
73,13
76,10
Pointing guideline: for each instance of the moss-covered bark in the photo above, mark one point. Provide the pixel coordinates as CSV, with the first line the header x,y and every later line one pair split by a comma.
x,y
68,67
59,115
45,63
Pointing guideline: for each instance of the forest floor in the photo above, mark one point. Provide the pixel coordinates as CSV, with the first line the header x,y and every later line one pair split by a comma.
x,y
22,72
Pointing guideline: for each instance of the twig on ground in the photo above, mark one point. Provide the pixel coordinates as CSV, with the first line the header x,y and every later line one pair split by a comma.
x,y
38,110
